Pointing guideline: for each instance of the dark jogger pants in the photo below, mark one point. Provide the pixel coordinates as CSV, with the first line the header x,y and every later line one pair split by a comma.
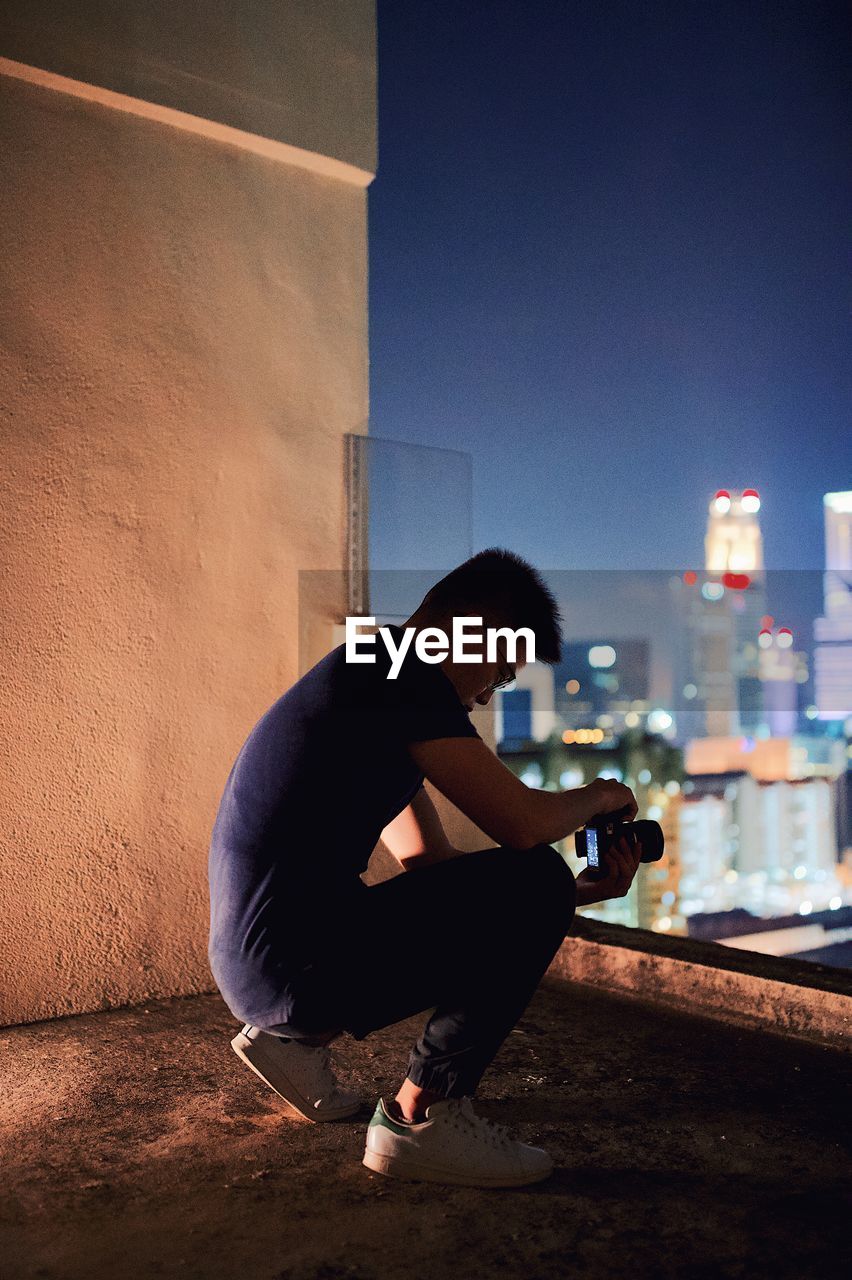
x,y
470,937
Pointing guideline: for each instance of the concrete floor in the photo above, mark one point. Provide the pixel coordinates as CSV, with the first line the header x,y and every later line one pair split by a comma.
x,y
135,1144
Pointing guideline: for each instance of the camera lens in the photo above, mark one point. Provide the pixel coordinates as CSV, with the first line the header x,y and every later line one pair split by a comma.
x,y
650,836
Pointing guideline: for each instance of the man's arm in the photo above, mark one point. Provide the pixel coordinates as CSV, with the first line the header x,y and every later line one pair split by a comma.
x,y
470,775
416,837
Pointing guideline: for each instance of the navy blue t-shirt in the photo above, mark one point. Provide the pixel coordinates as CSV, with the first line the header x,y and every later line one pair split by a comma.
x,y
318,778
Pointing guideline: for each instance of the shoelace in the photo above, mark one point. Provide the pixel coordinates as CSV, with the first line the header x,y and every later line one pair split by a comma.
x,y
497,1134
323,1058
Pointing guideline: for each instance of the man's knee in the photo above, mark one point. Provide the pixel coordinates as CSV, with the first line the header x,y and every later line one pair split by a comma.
x,y
547,861
549,877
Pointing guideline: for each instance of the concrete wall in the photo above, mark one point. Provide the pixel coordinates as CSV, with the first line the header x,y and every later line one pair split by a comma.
x,y
183,344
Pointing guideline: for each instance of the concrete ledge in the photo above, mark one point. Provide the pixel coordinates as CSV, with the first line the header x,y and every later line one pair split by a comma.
x,y
297,72
269,148
790,997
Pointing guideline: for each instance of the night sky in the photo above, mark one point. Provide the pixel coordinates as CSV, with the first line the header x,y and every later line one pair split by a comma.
x,y
609,258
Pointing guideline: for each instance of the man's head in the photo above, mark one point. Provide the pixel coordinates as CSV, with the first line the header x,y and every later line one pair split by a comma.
x,y
505,591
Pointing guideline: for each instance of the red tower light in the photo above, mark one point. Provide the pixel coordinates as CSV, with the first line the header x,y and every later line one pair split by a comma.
x,y
690,577
736,581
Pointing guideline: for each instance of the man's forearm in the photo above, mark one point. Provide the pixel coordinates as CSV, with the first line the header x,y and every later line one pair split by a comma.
x,y
554,815
557,814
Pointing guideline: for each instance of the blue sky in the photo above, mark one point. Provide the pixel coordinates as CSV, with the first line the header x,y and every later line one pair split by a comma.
x,y
609,259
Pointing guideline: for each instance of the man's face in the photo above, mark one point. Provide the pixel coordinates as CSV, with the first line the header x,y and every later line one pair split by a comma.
x,y
476,682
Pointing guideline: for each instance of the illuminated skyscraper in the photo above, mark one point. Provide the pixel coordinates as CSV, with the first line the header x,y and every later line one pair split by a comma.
x,y
720,690
657,882
833,632
733,543
783,671
767,846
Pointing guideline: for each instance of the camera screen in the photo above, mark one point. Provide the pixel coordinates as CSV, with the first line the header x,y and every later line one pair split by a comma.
x,y
592,846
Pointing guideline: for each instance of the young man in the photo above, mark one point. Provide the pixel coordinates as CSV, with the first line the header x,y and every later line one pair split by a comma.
x,y
302,949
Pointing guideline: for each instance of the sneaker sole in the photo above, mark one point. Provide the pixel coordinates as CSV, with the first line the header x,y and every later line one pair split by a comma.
x,y
277,1082
393,1168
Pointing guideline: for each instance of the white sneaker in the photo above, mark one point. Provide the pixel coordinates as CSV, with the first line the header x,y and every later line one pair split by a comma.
x,y
453,1145
298,1073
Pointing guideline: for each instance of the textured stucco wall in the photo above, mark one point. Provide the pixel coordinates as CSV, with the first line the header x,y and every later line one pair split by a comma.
x,y
183,344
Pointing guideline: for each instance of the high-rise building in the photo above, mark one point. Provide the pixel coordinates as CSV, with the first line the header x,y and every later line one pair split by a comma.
x,y
759,825
768,759
833,631
799,829
602,683
525,711
719,831
783,671
733,542
768,847
718,687
657,882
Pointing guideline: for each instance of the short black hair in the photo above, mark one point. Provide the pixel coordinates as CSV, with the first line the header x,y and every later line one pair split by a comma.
x,y
502,587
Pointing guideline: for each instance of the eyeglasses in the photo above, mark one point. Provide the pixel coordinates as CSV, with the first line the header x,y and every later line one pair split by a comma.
x,y
502,682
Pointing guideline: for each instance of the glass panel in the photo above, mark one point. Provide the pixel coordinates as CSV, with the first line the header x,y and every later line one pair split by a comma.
x,y
412,521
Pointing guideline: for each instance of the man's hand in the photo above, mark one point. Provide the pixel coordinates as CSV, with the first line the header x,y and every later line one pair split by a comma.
x,y
608,796
622,862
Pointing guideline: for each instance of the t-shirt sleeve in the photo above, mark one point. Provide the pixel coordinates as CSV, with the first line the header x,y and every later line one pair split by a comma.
x,y
425,705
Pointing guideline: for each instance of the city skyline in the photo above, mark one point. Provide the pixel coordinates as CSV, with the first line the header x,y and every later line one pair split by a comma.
x,y
420,528
762,672
750,784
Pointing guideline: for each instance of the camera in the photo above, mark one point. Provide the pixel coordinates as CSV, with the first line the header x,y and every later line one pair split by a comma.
x,y
595,840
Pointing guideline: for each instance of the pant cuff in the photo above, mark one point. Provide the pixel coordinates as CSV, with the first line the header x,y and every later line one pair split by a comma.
x,y
450,1078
